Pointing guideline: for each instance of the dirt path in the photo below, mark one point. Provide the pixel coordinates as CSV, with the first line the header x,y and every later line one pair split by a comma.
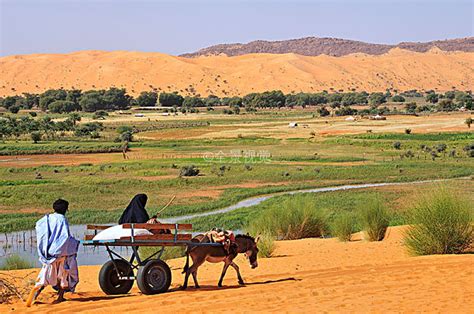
x,y
303,276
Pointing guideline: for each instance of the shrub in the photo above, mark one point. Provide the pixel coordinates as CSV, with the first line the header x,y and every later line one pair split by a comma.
x,y
296,218
397,145
101,114
343,227
14,109
126,136
468,122
407,131
15,262
442,224
189,171
375,220
266,245
35,136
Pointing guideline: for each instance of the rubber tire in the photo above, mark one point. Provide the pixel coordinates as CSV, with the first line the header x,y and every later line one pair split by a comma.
x,y
147,275
108,281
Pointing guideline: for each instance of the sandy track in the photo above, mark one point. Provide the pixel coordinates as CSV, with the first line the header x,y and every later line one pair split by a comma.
x,y
304,276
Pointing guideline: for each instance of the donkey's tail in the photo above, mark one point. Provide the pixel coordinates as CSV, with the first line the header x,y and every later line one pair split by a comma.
x,y
186,266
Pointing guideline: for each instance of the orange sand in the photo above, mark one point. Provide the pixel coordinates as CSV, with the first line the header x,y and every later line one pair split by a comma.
x,y
311,275
221,75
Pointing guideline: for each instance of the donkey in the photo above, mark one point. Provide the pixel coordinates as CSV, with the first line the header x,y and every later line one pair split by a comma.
x,y
215,254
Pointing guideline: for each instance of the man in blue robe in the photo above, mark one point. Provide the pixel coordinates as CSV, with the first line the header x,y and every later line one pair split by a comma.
x,y
57,250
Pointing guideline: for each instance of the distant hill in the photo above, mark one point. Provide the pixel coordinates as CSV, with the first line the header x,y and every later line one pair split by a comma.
x,y
313,46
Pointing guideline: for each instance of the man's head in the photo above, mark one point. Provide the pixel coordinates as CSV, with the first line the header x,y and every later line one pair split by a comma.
x,y
60,206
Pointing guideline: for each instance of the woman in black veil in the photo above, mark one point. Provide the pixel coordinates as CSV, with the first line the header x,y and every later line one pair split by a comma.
x,y
135,211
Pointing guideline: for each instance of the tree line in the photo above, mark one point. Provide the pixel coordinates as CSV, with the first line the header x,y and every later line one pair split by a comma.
x,y
66,101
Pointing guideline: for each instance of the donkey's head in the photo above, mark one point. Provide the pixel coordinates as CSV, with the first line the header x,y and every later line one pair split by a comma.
x,y
248,246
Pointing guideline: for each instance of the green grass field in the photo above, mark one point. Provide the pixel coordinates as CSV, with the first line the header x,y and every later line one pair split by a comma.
x,y
231,169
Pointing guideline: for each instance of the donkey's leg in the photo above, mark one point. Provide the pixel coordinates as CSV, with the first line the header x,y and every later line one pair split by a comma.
x,y
226,265
196,284
236,267
192,270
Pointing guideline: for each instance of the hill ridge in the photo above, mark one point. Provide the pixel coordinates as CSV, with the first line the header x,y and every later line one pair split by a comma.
x,y
315,46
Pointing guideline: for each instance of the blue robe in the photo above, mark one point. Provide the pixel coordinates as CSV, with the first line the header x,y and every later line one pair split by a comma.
x,y
57,248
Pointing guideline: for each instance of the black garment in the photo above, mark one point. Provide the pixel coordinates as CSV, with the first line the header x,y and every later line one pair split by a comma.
x,y
135,211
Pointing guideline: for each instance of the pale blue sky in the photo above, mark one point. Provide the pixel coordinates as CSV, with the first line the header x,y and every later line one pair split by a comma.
x,y
176,27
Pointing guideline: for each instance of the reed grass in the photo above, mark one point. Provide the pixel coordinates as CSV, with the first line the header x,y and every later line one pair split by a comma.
x,y
14,261
298,217
442,223
343,226
374,219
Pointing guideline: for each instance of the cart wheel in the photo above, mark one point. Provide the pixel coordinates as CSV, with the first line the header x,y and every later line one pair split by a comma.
x,y
154,277
109,281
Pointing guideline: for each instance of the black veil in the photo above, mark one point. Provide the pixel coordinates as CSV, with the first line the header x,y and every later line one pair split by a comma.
x,y
135,211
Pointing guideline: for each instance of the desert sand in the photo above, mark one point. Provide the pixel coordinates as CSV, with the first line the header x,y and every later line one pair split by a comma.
x,y
310,275
228,76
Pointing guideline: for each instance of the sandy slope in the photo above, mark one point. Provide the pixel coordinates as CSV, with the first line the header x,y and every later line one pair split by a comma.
x,y
221,75
304,276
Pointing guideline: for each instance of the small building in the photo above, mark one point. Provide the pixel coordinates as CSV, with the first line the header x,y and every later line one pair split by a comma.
x,y
139,115
292,125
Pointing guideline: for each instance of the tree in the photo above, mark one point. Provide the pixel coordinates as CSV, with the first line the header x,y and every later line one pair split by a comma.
x,y
92,101
232,101
30,100
432,98
323,112
446,105
468,122
117,98
9,101
36,136
14,109
398,98
63,106
74,117
126,136
190,102
74,95
101,114
213,101
346,111
410,107
464,100
171,99
50,96
376,99
89,129
147,99
450,95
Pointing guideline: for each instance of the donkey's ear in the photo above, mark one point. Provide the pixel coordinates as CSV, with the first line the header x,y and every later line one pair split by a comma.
x,y
257,239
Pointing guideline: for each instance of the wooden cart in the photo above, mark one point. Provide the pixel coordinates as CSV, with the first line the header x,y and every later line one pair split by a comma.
x,y
153,275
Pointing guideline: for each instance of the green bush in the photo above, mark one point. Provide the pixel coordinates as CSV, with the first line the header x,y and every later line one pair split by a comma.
x,y
15,262
343,226
296,218
442,224
266,245
374,219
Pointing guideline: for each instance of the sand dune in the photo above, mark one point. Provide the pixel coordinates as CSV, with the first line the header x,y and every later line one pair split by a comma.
x,y
221,75
311,275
